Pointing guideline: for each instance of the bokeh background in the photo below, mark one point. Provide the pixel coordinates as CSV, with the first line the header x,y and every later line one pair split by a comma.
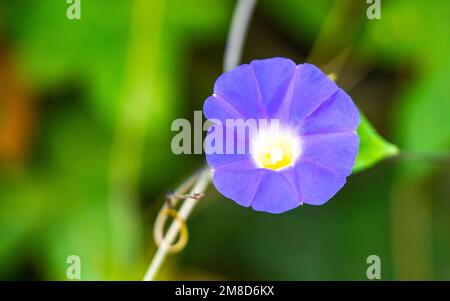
x,y
85,161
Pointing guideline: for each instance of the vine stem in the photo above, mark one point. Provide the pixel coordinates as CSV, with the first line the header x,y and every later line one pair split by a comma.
x,y
238,31
232,56
201,184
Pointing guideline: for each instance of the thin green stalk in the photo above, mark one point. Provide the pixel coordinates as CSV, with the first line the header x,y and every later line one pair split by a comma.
x,y
135,105
232,57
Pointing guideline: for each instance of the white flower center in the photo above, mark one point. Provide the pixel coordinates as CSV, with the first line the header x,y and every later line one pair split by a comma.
x,y
275,149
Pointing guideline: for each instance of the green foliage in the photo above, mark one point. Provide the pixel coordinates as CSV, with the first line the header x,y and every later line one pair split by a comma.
x,y
372,148
123,59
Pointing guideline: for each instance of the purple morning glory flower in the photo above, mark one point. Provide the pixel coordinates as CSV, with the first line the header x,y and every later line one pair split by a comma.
x,y
305,160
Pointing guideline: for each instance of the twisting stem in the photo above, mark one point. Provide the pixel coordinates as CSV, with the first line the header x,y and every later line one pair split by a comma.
x,y
232,57
200,186
237,33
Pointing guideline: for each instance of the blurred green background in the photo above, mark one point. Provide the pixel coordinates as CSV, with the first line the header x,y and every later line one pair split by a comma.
x,y
85,160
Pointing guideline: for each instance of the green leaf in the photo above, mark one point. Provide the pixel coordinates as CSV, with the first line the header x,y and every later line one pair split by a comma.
x,y
372,148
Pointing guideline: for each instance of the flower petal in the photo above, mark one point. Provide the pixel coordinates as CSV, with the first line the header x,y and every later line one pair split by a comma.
x,y
335,151
274,76
317,184
217,108
309,89
239,186
239,89
217,156
263,189
275,194
337,114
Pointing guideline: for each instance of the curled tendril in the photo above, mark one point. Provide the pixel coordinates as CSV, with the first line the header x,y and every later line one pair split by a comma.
x,y
169,210
184,234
